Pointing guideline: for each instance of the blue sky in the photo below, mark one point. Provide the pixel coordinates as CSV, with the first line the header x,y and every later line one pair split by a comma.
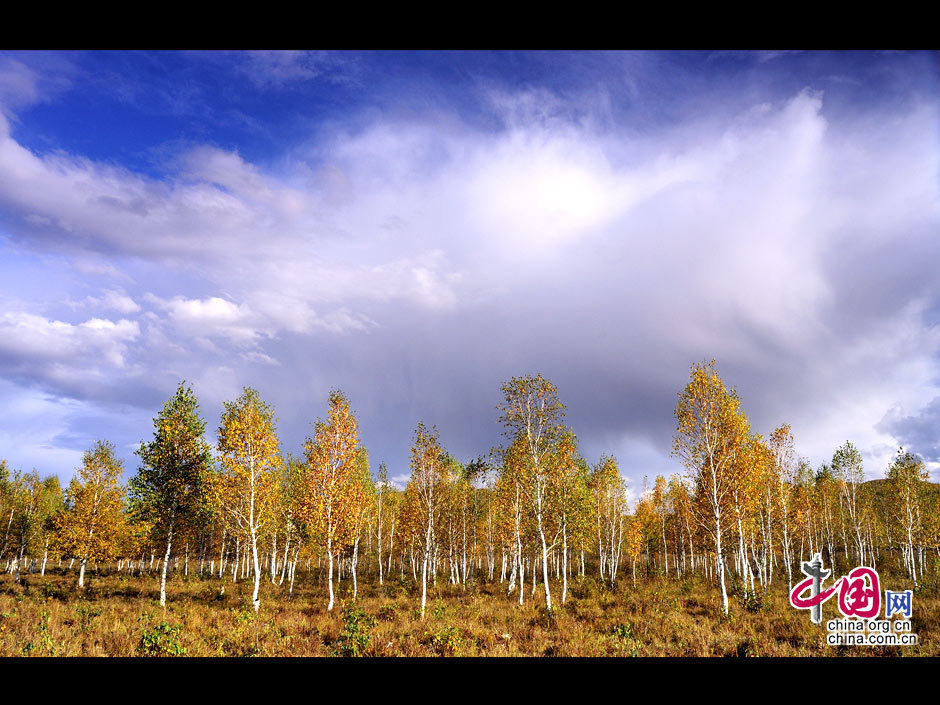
x,y
416,227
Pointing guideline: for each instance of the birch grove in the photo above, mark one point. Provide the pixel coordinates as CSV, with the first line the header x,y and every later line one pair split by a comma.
x,y
533,521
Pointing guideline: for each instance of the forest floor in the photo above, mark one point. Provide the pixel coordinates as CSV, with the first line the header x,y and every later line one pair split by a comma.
x,y
118,615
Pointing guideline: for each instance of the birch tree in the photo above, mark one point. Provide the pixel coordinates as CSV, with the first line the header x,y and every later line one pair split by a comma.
x,y
171,486
532,411
245,487
711,431
50,504
7,505
908,478
849,469
634,542
744,490
608,491
682,514
572,498
380,515
428,479
36,501
785,466
360,503
513,512
661,506
289,522
92,522
331,457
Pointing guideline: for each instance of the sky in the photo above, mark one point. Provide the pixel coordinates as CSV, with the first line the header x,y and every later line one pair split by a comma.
x,y
416,228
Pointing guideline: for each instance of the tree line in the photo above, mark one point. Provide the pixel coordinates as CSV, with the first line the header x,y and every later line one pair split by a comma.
x,y
531,513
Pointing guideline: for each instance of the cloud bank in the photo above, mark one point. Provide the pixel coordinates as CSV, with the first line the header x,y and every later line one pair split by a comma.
x,y
419,260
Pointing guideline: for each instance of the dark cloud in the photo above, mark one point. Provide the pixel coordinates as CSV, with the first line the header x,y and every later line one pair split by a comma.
x,y
919,432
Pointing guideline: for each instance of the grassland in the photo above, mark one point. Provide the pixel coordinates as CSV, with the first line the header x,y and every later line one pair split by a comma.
x,y
117,615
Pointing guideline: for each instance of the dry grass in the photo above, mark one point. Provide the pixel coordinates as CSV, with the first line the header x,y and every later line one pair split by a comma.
x,y
118,615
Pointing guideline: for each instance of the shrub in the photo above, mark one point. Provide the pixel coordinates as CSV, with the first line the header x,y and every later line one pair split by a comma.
x,y
545,618
161,639
86,613
354,639
445,639
246,616
755,603
621,631
623,634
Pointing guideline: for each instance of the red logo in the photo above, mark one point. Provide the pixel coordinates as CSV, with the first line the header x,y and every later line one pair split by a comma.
x,y
859,594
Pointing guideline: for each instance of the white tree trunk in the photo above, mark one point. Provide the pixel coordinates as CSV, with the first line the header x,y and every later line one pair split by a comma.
x,y
255,601
329,552
355,560
166,561
548,594
564,563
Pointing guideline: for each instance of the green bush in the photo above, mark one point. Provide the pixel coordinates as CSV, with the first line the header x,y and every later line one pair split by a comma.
x,y
161,639
622,631
439,609
354,639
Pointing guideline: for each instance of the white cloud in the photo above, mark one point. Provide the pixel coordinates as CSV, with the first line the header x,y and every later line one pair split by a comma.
x,y
213,316
399,481
248,324
111,300
81,360
27,335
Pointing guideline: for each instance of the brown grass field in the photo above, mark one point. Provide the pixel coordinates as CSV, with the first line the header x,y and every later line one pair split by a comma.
x,y
117,615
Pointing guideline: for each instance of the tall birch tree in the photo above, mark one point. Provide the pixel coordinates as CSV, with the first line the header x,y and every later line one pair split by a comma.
x,y
712,429
428,480
92,522
908,479
332,479
531,410
246,486
171,486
